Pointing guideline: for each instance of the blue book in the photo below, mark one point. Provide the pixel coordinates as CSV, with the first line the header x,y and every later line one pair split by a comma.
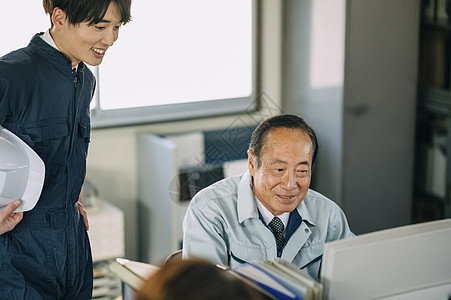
x,y
268,281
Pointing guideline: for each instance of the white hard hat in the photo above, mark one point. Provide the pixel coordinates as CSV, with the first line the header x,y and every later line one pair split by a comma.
x,y
22,172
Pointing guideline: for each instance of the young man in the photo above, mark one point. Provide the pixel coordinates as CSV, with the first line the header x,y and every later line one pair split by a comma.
x,y
45,91
269,211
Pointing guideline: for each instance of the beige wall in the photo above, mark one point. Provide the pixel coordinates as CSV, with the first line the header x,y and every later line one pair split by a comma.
x,y
112,163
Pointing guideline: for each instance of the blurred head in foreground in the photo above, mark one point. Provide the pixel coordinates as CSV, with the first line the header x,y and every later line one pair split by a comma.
x,y
195,279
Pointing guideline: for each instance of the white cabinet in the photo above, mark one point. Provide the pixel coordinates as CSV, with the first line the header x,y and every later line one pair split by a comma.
x,y
159,214
106,232
106,235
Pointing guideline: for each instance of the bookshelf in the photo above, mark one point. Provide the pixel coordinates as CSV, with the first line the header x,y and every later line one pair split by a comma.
x,y
432,176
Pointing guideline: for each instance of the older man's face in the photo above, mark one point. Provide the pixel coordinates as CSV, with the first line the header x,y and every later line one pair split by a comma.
x,y
283,177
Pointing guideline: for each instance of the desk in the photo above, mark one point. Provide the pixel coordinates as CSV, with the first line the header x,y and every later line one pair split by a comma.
x,y
132,275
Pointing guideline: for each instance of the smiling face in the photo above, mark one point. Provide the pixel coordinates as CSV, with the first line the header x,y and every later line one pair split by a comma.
x,y
282,179
86,42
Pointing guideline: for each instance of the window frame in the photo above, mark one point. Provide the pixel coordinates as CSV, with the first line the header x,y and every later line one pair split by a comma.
x,y
181,111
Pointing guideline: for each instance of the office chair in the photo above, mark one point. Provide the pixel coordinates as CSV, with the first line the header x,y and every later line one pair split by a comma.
x,y
177,255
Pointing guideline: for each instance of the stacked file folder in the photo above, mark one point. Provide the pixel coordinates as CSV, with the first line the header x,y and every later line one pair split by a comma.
x,y
280,279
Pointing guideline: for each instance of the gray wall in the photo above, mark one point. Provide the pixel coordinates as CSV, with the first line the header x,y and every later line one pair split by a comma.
x,y
350,70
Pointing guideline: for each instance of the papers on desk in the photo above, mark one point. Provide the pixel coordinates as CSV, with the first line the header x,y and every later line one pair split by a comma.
x,y
132,272
281,280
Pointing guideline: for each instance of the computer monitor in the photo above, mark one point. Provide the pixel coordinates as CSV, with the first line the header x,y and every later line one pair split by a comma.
x,y
408,262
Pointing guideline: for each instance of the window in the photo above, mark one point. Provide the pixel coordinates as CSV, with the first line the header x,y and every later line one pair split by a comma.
x,y
20,21
177,59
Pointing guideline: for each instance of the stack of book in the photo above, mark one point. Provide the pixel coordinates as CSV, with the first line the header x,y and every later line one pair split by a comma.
x,y
275,279
279,279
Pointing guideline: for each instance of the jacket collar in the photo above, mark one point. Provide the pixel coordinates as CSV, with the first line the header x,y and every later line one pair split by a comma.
x,y
303,211
247,208
51,54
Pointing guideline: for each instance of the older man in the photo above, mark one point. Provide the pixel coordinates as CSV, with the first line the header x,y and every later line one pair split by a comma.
x,y
269,211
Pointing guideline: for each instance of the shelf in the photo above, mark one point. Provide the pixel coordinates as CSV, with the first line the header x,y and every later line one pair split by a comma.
x,y
434,100
433,121
442,25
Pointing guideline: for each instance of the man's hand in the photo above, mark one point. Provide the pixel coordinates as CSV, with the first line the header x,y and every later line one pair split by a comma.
x,y
82,210
8,218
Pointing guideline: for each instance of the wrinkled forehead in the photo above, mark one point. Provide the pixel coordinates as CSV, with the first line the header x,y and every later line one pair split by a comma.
x,y
287,144
292,136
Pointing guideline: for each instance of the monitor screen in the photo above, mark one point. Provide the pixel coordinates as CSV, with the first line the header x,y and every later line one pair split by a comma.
x,y
408,262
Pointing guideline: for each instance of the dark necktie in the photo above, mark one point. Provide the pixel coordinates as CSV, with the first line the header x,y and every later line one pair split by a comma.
x,y
277,228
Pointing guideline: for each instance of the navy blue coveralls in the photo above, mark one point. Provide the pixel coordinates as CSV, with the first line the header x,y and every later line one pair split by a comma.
x,y
46,104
